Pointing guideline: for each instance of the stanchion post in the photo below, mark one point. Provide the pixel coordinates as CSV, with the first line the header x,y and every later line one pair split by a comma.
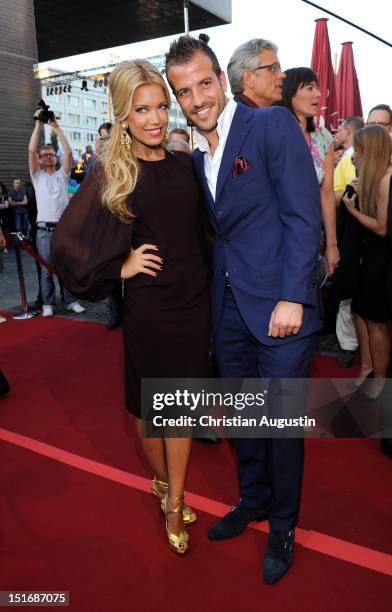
x,y
26,314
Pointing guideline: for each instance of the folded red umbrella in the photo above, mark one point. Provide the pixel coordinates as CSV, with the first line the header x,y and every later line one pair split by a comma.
x,y
347,88
322,65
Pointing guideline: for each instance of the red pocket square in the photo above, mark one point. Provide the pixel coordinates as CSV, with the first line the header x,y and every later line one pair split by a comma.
x,y
240,166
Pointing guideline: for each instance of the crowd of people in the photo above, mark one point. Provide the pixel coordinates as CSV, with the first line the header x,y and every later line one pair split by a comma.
x,y
268,196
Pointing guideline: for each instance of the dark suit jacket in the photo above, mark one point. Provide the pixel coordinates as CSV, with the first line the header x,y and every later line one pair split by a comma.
x,y
266,220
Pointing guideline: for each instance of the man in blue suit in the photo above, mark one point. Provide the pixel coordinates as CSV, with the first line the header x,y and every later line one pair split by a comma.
x,y
264,207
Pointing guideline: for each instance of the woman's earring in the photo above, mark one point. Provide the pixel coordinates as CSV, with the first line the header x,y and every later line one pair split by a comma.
x,y
125,140
165,139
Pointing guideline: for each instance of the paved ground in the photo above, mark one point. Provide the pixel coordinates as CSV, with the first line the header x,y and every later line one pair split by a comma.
x,y
10,298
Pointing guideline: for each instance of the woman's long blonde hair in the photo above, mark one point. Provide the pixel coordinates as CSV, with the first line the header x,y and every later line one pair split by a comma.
x,y
120,166
375,147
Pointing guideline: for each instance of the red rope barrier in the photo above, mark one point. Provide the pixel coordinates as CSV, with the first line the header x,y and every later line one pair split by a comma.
x,y
25,244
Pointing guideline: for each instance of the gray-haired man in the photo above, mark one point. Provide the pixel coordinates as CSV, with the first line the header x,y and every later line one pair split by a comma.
x,y
255,74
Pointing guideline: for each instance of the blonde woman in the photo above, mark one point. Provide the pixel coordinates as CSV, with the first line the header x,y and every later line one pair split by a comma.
x,y
373,150
137,217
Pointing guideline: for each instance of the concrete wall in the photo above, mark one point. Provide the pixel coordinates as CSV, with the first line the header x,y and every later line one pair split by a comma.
x,y
19,91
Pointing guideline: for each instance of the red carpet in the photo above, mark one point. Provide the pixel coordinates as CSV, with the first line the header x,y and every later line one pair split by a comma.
x,y
65,528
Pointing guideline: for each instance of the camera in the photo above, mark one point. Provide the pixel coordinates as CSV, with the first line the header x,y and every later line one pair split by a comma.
x,y
43,113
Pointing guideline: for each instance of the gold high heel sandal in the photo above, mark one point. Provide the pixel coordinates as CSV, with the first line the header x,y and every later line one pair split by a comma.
x,y
178,543
159,488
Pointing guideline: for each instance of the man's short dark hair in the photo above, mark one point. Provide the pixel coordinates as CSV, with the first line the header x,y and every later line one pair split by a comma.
x,y
180,131
105,126
354,122
383,107
44,147
182,51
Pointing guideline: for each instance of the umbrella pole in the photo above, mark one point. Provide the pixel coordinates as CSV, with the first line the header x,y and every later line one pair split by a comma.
x,y
186,16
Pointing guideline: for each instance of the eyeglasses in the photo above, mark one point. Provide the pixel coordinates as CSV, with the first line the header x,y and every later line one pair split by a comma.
x,y
271,67
46,155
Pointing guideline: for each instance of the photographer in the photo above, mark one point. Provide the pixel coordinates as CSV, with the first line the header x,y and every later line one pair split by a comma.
x,y
51,189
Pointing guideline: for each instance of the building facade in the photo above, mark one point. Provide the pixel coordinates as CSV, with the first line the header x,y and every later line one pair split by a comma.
x,y
19,91
80,107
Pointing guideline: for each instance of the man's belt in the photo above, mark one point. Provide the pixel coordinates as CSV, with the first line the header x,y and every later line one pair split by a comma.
x,y
46,226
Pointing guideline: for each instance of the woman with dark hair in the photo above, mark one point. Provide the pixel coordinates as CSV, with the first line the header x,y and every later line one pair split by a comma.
x,y
301,95
4,216
373,151
137,217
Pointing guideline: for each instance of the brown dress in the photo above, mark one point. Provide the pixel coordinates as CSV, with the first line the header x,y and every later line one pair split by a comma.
x,y
165,318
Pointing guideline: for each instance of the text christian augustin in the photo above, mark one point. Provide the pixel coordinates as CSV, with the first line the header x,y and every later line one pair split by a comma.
x,y
239,401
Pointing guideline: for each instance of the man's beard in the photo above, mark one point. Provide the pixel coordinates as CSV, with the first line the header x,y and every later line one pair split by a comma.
x,y
220,105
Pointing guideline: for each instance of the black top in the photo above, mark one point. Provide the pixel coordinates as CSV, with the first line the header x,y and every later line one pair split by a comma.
x,y
165,318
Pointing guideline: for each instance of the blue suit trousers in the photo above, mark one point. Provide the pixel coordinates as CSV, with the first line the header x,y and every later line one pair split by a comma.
x,y
270,470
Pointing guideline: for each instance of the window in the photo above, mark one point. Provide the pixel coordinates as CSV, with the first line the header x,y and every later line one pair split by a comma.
x,y
104,107
91,137
76,136
90,103
91,122
73,118
73,100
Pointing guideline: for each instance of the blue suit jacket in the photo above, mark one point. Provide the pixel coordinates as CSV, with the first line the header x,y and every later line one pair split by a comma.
x,y
266,221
